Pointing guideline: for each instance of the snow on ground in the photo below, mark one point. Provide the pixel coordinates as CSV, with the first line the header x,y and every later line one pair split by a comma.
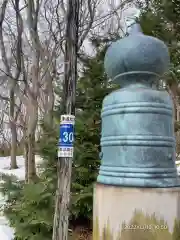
x,y
6,232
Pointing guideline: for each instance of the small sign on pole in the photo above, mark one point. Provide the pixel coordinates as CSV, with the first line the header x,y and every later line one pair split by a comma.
x,y
66,139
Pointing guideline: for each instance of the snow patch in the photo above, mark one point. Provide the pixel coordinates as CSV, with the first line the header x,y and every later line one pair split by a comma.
x,y
6,232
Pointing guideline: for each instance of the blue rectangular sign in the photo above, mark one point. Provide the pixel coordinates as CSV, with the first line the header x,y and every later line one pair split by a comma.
x,y
66,135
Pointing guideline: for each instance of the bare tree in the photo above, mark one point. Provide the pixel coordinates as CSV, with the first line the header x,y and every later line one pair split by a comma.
x,y
12,76
80,17
61,217
30,77
26,88
37,46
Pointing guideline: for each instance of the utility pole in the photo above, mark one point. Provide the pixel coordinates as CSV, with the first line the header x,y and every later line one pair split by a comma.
x,y
65,148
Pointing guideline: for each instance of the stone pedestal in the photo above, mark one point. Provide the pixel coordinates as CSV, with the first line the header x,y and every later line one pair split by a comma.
x,y
136,213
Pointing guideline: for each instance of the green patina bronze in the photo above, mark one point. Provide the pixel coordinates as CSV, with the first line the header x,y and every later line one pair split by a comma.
x,y
137,140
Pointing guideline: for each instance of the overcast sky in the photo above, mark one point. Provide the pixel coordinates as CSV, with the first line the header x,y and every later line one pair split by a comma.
x,y
127,16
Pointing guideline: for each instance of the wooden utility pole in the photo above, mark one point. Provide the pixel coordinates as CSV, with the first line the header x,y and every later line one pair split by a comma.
x,y
61,217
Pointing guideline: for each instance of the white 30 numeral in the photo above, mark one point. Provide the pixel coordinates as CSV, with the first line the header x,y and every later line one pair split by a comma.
x,y
67,137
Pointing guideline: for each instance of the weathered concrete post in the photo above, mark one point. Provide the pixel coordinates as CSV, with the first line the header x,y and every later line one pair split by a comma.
x,y
137,191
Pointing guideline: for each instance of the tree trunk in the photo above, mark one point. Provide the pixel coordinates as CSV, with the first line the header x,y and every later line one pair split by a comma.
x,y
26,159
48,100
61,217
33,8
31,131
13,164
31,157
